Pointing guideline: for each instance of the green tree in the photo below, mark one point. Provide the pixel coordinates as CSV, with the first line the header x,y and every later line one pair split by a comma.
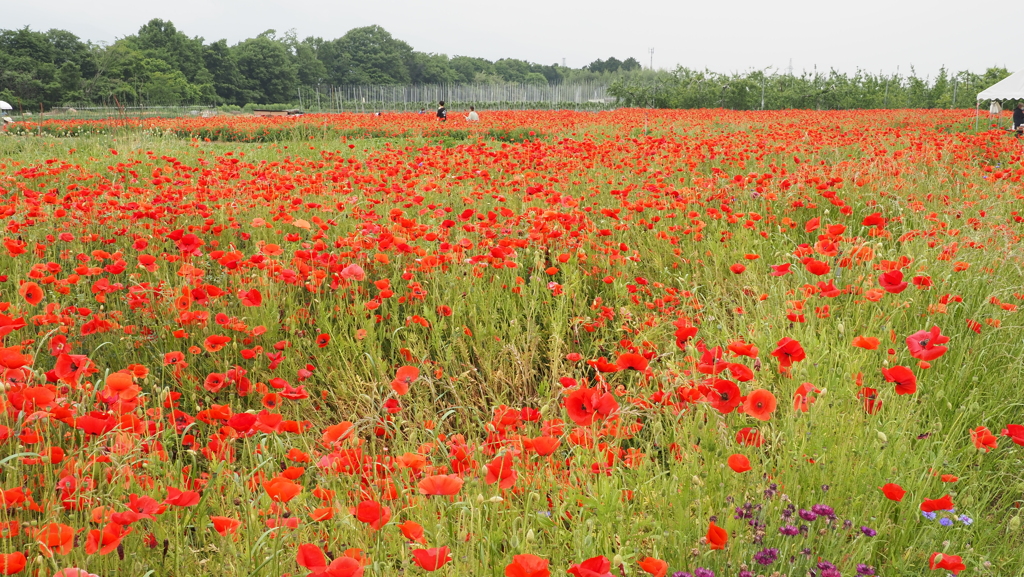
x,y
468,68
431,69
268,73
220,63
512,69
370,55
161,40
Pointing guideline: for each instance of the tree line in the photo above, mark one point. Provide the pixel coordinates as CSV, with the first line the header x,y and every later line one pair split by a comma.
x,y
832,90
162,65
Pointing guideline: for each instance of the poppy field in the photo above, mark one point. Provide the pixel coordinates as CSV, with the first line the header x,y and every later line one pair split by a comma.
x,y
671,343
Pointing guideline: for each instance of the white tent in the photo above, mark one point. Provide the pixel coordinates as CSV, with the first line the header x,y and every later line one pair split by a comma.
x,y
5,106
1009,88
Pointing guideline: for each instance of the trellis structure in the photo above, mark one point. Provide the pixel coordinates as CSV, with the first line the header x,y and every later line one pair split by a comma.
x,y
415,97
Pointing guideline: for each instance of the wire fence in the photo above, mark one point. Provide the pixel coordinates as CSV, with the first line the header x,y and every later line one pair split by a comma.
x,y
586,95
415,97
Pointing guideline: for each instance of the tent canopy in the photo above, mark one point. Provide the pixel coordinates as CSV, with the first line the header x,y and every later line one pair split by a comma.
x,y
1009,88
5,106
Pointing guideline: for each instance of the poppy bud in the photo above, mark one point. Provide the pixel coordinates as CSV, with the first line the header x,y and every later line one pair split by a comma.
x,y
1013,524
882,437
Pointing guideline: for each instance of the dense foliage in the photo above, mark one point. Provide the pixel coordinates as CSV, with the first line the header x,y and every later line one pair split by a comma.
x,y
162,65
758,90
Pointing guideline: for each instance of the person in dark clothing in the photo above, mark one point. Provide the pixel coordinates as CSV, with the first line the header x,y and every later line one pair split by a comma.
x,y
1018,117
442,113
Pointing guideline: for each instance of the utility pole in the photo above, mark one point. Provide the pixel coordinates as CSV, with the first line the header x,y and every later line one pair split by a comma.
x,y
651,51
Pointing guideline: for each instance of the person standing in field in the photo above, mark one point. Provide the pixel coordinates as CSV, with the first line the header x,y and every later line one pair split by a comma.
x,y
472,116
1018,118
442,113
995,109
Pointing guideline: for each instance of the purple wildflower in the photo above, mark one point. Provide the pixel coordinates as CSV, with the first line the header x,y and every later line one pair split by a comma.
x,y
789,530
808,515
823,510
766,556
868,531
865,570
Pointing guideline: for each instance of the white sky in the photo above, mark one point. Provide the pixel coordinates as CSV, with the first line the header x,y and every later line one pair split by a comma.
x,y
875,35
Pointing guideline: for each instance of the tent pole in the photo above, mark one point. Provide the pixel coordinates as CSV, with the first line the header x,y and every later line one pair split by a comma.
x,y
977,107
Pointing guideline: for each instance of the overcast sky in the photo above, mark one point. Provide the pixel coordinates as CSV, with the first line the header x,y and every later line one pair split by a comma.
x,y
740,35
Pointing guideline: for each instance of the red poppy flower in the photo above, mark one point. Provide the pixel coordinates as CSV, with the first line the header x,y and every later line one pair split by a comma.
x,y
868,343
717,537
105,540
403,377
906,382
12,563
952,563
586,405
750,437
893,492
892,281
225,525
654,567
802,399
413,531
598,566
984,439
431,559
31,292
739,463
788,351
441,485
55,538
724,396
925,345
816,267
944,503
631,361
500,471
180,498
527,565
1015,432
373,514
545,445
282,489
215,343
250,298
323,340
760,404
311,557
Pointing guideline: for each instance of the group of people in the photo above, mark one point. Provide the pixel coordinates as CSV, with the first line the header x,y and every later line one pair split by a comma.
x,y
996,108
442,113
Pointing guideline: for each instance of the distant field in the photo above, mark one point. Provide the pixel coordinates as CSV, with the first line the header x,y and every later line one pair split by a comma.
x,y
610,343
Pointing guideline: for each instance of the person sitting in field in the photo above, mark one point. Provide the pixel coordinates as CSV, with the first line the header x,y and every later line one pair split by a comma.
x,y
1018,118
472,116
